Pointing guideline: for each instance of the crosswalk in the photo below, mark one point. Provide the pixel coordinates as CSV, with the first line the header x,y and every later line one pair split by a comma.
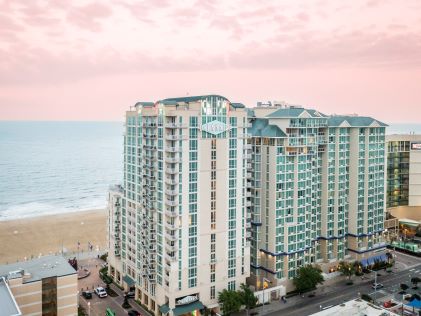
x,y
414,271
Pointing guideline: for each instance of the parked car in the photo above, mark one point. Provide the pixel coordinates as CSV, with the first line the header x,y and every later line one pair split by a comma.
x,y
133,313
100,291
87,294
407,296
130,294
377,286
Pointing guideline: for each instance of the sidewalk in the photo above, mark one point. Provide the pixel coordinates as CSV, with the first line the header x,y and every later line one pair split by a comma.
x,y
334,286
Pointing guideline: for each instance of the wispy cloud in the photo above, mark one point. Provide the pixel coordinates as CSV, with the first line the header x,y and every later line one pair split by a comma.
x,y
68,42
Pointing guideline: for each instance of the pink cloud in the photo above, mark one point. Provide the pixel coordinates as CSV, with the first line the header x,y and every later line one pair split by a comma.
x,y
88,17
205,46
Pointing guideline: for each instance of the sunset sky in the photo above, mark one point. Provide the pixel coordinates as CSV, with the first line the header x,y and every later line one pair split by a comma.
x,y
87,60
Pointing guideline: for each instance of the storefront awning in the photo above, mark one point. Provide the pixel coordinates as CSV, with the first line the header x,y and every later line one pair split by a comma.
x,y
164,309
129,281
184,309
372,260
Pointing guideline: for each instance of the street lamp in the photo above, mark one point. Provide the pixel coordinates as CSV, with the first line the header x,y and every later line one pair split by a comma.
x,y
375,283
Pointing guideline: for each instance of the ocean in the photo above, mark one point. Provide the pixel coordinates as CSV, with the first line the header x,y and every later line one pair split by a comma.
x,y
58,167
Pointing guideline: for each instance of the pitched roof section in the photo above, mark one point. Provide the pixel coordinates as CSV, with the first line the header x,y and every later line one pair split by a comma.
x,y
194,98
294,113
272,131
238,105
260,127
354,121
142,104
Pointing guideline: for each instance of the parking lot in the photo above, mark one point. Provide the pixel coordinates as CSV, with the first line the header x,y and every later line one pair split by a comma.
x,y
99,305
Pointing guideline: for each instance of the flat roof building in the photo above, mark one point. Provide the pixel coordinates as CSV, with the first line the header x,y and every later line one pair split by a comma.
x,y
42,286
7,301
355,307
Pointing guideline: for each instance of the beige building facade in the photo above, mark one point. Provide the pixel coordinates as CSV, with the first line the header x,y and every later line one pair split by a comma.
x,y
317,191
184,206
43,286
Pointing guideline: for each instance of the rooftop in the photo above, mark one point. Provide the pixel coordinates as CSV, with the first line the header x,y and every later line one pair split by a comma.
x,y
193,98
261,128
7,301
37,269
354,121
355,307
295,112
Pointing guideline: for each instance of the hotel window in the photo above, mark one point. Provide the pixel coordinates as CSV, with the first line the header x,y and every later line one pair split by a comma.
x,y
212,292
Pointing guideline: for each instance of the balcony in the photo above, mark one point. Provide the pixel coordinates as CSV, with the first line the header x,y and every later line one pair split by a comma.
x,y
171,171
172,149
171,214
170,248
173,137
171,202
170,237
172,181
171,192
171,226
172,159
171,125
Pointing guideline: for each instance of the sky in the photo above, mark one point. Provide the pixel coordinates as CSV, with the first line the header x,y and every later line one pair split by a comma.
x,y
92,60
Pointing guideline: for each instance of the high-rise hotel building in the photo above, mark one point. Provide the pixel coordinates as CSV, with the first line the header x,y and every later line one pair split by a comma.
x,y
204,177
317,190
182,210
403,170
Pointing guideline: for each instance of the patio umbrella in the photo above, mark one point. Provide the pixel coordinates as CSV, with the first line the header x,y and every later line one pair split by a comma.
x,y
414,304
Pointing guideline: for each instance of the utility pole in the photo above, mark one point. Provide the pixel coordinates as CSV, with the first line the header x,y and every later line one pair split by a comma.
x,y
375,284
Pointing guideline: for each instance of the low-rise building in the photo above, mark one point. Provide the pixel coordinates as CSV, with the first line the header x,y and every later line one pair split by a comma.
x,y
42,286
7,301
355,307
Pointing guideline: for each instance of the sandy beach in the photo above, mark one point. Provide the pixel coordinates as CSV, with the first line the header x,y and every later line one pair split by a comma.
x,y
41,235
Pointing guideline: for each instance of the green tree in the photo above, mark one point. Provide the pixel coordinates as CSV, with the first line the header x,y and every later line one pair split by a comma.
x,y
415,282
347,269
403,287
230,301
247,298
307,278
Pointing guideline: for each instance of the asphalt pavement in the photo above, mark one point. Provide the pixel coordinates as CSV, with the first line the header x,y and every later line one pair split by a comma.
x,y
328,296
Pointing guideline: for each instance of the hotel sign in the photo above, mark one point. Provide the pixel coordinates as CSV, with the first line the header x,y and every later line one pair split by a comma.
x,y
416,146
215,127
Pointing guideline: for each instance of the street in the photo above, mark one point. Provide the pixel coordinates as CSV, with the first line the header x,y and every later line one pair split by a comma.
x,y
341,292
99,305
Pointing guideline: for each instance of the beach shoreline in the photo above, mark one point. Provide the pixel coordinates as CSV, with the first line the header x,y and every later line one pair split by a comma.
x,y
45,234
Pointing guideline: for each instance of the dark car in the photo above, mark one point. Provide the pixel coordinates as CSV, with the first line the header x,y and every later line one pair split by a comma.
x,y
133,313
87,294
130,294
